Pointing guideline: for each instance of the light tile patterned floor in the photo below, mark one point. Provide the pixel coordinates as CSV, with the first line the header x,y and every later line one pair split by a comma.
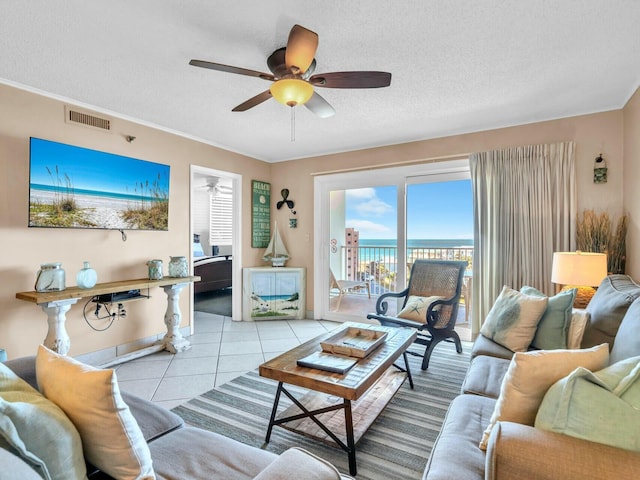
x,y
221,350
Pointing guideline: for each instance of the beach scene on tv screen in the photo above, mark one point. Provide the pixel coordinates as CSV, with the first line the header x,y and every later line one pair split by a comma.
x,y
76,187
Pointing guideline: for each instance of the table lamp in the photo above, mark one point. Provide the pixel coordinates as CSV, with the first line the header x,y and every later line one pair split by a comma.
x,y
580,270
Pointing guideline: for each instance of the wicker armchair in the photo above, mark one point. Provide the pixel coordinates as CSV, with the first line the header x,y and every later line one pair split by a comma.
x,y
437,284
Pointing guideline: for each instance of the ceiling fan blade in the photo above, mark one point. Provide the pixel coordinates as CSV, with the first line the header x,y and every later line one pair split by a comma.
x,y
301,48
252,102
229,69
351,79
320,106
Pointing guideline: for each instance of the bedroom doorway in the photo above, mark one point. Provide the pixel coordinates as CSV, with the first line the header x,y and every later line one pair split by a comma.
x,y
215,212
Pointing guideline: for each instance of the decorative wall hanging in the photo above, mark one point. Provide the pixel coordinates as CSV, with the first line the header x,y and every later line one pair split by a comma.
x,y
75,187
260,214
600,170
293,221
285,200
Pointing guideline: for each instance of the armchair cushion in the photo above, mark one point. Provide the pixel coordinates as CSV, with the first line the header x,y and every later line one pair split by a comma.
x,y
513,319
416,308
602,407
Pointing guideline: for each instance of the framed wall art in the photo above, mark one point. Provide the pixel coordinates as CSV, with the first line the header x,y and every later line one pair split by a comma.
x,y
260,214
75,187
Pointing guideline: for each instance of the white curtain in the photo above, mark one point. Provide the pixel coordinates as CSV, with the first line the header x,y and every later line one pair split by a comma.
x,y
524,210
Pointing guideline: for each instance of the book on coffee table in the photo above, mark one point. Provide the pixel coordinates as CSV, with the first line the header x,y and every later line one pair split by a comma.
x,y
327,362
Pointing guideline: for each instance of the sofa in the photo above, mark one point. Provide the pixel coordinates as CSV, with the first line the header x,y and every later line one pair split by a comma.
x,y
173,450
523,449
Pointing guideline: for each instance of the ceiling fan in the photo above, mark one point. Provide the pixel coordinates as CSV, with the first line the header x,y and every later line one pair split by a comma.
x,y
215,187
292,70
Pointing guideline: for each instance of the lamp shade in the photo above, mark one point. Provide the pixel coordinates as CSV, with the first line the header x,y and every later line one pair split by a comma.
x,y
579,268
291,91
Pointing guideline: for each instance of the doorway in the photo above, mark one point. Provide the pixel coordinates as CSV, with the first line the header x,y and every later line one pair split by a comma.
x,y
215,223
371,225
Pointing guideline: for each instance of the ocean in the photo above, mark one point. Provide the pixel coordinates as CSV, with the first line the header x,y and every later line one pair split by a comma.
x,y
384,250
419,243
36,187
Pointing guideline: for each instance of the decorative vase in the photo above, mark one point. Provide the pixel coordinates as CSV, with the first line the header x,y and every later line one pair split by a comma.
x,y
178,267
50,278
155,269
87,277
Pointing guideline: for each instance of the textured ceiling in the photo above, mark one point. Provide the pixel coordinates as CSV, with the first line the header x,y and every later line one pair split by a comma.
x,y
457,66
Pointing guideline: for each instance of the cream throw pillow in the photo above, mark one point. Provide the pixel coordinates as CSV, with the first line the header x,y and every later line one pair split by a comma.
x,y
531,374
513,319
299,464
579,321
111,437
416,308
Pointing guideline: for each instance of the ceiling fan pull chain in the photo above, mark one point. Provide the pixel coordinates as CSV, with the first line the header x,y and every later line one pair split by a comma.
x,y
293,124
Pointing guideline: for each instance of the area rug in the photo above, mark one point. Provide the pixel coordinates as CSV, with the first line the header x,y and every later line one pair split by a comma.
x,y
396,446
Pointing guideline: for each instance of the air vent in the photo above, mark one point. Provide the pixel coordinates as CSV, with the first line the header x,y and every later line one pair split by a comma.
x,y
78,117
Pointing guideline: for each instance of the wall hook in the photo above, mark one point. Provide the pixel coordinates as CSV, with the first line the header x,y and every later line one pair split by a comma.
x,y
130,138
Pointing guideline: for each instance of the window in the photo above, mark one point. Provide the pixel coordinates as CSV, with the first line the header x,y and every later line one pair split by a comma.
x,y
221,224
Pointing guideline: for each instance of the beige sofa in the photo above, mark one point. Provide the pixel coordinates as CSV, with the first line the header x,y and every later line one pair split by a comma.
x,y
521,451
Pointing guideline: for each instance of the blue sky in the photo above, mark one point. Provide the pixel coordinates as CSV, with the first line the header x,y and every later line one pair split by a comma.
x,y
442,210
93,170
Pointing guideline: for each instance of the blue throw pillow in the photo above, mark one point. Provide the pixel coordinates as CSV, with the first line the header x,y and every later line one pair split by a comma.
x,y
38,431
552,330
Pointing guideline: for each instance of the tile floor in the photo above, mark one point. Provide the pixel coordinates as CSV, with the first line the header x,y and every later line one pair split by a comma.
x,y
221,350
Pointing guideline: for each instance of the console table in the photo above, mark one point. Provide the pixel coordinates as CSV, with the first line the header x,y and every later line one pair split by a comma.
x,y
57,304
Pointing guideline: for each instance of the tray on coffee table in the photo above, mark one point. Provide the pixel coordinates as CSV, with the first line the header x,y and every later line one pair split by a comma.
x,y
354,341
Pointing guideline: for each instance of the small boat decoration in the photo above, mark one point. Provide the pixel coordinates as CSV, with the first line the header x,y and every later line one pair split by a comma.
x,y
276,253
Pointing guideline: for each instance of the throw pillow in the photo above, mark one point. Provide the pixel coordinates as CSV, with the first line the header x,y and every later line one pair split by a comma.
x,y
38,431
306,466
416,308
579,320
111,437
554,324
529,376
602,407
513,319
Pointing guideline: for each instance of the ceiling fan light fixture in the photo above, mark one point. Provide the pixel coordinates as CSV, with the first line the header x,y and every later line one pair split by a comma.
x,y
291,91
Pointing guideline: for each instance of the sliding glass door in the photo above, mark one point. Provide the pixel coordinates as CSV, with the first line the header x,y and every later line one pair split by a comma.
x,y
363,247
370,227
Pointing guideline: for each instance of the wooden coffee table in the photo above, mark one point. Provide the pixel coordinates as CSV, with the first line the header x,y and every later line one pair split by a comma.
x,y
362,392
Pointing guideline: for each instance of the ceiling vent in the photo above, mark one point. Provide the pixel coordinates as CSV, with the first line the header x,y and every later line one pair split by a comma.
x,y
77,117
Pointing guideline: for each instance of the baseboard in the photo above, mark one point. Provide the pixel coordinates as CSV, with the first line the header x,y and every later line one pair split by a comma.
x,y
126,351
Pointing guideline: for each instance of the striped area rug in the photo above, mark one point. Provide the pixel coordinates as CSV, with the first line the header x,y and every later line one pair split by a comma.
x,y
396,446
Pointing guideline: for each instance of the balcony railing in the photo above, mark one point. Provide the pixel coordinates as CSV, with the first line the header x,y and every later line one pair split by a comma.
x,y
378,265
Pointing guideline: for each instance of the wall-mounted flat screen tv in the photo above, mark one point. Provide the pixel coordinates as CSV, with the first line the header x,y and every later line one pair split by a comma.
x,y
74,187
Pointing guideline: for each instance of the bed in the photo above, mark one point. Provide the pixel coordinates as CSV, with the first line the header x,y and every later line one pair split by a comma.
x,y
214,273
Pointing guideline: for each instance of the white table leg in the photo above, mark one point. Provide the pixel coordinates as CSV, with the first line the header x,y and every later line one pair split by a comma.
x,y
173,341
57,338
